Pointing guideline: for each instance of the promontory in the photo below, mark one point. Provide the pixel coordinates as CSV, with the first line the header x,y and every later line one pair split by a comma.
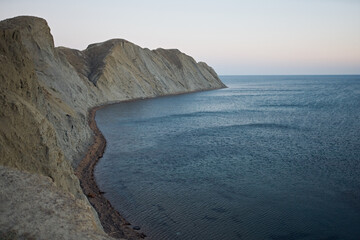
x,y
46,93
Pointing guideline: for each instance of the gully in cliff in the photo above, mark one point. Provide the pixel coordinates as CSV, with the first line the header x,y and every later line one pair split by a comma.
x,y
113,223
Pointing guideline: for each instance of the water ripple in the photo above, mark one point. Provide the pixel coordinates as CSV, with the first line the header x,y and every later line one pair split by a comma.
x,y
272,158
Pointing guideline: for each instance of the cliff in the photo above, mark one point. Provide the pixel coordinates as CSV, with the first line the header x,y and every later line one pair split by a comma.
x,y
45,95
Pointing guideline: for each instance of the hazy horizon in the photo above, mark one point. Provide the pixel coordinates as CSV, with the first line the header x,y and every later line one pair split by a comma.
x,y
284,37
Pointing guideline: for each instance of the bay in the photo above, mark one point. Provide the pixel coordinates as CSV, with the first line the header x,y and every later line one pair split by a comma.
x,y
270,157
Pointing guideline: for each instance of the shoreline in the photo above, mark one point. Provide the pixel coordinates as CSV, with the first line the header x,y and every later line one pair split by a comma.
x,y
112,222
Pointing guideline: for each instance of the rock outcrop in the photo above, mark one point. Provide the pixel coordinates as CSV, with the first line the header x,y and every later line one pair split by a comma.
x,y
45,95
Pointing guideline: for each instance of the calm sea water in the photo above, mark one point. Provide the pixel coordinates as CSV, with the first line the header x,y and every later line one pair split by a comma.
x,y
270,157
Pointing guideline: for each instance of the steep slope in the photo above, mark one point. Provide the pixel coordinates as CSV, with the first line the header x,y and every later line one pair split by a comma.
x,y
33,208
28,134
29,114
122,70
46,92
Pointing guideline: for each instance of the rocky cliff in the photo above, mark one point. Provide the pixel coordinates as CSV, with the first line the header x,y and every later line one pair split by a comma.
x,y
45,95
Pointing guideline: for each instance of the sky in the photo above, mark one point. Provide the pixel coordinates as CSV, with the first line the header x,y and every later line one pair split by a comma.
x,y
247,37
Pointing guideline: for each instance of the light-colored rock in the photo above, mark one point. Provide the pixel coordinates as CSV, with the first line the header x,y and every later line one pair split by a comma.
x,y
43,211
45,94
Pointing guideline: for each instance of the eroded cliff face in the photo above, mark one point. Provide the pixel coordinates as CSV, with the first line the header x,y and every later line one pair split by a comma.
x,y
45,94
32,114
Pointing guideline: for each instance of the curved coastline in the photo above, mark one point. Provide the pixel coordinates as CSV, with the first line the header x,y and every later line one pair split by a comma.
x,y
113,223
111,220
47,101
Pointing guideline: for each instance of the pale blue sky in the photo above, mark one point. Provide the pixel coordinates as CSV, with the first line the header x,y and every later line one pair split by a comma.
x,y
234,37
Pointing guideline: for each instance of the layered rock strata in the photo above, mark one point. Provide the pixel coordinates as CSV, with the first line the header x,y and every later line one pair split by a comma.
x,y
45,95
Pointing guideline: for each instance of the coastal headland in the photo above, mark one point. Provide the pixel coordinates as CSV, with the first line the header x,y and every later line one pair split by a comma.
x,y
48,135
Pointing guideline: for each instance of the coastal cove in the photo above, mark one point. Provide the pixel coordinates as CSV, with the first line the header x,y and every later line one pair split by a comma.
x,y
105,142
113,223
261,159
114,122
45,95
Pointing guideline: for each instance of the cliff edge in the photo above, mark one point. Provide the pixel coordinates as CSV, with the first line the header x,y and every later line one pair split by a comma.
x,y
45,95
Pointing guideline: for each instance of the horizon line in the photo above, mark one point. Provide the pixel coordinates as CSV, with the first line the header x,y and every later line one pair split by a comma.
x,y
345,74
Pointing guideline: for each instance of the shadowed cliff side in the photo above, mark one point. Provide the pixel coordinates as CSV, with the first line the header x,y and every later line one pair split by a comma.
x,y
45,94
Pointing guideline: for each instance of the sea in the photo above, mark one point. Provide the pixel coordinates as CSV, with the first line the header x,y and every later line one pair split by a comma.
x,y
269,157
